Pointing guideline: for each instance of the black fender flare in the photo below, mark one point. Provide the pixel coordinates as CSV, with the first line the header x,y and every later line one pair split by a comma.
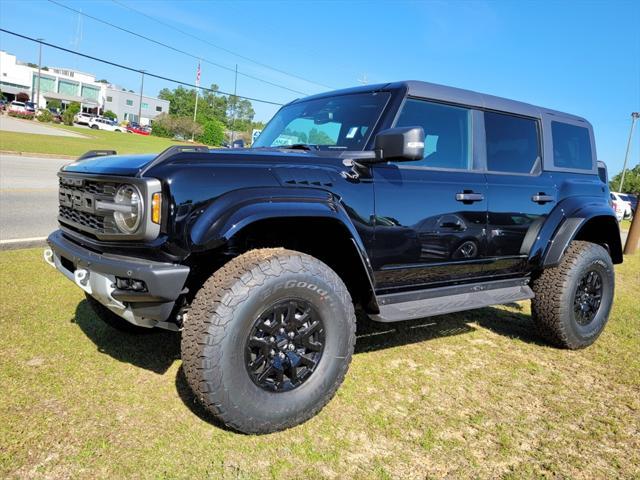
x,y
565,222
223,218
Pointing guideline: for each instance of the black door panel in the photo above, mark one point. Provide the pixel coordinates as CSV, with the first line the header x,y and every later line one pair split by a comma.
x,y
423,234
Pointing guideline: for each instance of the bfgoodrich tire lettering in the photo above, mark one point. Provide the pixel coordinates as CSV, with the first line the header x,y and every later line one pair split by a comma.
x,y
222,317
556,291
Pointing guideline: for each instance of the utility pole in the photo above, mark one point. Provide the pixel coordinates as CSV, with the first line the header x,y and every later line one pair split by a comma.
x,y
39,70
235,107
634,117
195,109
140,102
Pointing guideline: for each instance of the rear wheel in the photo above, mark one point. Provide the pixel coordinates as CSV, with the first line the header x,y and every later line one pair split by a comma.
x,y
573,300
113,320
95,127
268,340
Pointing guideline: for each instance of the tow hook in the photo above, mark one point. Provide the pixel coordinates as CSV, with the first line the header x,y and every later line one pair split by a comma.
x,y
48,257
81,277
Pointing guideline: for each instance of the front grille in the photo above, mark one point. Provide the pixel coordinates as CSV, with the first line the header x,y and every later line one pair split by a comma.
x,y
78,199
88,186
89,220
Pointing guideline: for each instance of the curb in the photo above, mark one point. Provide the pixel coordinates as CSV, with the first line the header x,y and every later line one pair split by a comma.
x,y
21,243
35,154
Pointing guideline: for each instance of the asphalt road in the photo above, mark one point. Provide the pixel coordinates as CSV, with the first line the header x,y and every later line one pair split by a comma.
x,y
29,199
28,196
12,124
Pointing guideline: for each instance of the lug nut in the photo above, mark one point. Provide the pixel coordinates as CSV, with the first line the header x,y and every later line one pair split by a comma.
x,y
272,339
281,355
281,330
292,334
292,346
272,353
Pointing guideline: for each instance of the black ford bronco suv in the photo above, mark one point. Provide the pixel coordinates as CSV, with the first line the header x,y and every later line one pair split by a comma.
x,y
402,201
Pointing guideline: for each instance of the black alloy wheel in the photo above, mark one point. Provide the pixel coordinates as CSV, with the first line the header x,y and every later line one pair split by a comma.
x,y
285,345
588,297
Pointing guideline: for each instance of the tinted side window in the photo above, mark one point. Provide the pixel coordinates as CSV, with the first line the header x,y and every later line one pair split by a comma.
x,y
446,133
512,143
571,146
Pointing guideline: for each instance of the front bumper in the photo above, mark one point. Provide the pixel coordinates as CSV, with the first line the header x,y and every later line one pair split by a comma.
x,y
96,274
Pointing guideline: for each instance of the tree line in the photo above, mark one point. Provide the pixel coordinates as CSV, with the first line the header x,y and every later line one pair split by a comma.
x,y
216,118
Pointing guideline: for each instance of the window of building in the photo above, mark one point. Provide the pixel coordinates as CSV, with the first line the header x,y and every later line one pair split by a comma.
x,y
145,106
512,143
46,84
68,88
91,93
158,108
446,133
129,103
571,146
131,117
109,99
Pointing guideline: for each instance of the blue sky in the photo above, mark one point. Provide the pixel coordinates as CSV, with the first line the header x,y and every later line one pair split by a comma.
x,y
579,57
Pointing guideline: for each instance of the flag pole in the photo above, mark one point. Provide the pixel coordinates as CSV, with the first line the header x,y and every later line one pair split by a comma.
x,y
195,110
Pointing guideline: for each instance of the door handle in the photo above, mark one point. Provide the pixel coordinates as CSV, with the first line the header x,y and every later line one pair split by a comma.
x,y
469,197
542,198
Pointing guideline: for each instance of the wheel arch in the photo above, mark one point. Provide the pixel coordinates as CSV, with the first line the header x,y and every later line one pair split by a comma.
x,y
244,220
592,224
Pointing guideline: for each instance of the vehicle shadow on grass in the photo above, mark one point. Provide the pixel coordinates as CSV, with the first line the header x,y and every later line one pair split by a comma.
x,y
157,350
371,336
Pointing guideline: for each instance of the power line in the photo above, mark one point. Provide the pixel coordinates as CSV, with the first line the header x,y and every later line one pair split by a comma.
x,y
165,45
239,55
131,69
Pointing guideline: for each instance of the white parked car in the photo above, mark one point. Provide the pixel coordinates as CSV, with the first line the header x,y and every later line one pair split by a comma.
x,y
83,118
18,107
621,206
99,123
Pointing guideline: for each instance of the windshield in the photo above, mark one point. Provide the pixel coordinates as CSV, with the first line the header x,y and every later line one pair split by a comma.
x,y
342,122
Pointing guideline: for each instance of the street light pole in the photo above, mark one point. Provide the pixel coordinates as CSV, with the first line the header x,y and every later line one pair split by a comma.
x,y
634,117
235,106
39,70
140,102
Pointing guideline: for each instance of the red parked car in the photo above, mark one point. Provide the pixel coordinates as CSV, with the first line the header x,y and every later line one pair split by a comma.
x,y
139,129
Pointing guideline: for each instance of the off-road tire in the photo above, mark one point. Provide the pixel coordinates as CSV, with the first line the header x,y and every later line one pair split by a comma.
x,y
218,324
113,320
555,289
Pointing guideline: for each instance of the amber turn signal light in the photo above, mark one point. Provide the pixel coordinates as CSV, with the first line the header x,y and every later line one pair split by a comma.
x,y
156,207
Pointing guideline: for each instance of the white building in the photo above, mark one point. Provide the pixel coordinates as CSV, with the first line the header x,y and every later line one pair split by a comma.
x,y
69,86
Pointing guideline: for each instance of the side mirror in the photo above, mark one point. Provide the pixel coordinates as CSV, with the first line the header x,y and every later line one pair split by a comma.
x,y
238,143
402,144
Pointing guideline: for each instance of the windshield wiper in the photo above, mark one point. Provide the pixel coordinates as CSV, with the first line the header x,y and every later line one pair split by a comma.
x,y
300,146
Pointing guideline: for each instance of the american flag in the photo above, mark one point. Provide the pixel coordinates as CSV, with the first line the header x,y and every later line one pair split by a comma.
x,y
198,75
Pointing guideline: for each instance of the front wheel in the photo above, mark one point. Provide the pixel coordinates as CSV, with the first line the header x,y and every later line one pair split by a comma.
x,y
573,300
95,127
268,340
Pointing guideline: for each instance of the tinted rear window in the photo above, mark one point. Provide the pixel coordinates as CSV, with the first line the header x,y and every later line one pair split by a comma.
x,y
512,143
571,146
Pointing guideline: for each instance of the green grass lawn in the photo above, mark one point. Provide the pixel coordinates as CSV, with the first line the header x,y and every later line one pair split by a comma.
x,y
466,395
95,140
625,225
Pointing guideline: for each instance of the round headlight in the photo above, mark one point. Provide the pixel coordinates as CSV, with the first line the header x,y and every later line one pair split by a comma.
x,y
129,215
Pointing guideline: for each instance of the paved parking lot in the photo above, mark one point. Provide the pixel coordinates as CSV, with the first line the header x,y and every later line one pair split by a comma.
x,y
11,124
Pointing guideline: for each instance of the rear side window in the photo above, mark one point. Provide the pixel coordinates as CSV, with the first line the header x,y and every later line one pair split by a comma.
x,y
446,133
512,143
571,146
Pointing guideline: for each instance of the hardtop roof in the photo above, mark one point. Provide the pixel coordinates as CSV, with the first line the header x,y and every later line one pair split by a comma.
x,y
461,96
